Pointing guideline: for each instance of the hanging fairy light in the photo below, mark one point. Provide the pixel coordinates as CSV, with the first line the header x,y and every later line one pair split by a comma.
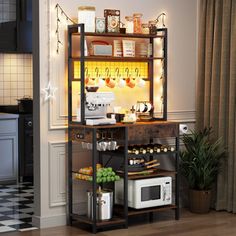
x,y
161,19
68,19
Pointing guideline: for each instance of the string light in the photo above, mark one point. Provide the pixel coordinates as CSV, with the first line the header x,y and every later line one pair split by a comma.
x,y
63,14
161,18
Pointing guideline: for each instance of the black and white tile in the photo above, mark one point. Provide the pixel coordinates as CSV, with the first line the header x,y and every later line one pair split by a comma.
x,y
16,207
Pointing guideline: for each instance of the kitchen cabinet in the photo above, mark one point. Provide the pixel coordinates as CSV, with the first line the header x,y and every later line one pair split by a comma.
x,y
16,27
8,147
86,138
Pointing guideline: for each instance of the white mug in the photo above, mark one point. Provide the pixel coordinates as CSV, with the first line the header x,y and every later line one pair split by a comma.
x,y
101,82
121,83
141,83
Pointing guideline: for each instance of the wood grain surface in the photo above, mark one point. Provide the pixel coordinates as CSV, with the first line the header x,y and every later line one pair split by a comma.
x,y
212,224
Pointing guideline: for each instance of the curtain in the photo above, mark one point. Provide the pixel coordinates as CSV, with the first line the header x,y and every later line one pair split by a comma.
x,y
216,88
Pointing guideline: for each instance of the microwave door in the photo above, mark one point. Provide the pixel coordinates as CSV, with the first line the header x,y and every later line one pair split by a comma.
x,y
150,193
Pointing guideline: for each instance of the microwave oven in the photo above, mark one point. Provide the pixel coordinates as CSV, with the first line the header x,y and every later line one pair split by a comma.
x,y
145,193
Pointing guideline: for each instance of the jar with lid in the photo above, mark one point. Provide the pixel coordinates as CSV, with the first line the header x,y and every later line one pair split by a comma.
x,y
137,23
129,24
152,27
86,15
145,28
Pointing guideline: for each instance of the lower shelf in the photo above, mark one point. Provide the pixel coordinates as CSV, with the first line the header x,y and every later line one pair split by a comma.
x,y
118,209
116,220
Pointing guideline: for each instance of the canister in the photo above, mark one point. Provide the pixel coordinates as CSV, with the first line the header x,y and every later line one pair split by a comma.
x,y
86,15
129,24
104,204
137,23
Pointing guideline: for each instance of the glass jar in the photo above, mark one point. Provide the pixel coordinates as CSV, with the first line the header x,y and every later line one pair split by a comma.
x,y
145,28
137,23
86,15
152,27
129,24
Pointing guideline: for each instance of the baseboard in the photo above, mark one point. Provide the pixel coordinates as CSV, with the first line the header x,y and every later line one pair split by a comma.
x,y
49,221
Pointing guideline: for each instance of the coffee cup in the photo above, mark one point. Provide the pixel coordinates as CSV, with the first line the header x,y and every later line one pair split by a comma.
x,y
121,83
130,82
110,82
89,81
101,83
141,83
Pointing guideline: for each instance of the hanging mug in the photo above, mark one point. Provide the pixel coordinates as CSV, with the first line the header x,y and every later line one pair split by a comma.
x,y
121,83
130,82
141,83
110,82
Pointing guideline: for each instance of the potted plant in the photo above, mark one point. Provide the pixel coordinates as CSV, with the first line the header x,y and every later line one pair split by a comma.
x,y
200,164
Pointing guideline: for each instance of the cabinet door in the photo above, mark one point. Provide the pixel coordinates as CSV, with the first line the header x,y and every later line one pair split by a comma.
x,y
8,158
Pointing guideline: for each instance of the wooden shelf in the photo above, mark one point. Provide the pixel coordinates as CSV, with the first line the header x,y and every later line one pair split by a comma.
x,y
116,220
156,173
74,30
76,124
118,59
118,209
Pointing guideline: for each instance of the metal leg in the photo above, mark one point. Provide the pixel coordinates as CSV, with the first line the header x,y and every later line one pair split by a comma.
x,y
151,217
177,178
126,178
94,162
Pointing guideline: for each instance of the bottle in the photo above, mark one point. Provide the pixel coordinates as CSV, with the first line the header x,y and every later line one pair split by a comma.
x,y
142,150
164,148
156,148
150,149
171,149
135,150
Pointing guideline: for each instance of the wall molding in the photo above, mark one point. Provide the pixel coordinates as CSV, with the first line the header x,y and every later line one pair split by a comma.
x,y
49,221
57,173
184,116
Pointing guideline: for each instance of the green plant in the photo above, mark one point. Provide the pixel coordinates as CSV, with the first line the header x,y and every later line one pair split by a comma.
x,y
200,161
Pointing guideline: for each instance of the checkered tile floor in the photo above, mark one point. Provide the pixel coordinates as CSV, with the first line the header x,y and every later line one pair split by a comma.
x,y
16,207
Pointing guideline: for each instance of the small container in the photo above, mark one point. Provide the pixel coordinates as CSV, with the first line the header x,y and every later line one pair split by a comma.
x,y
145,28
129,24
152,27
86,15
137,23
100,25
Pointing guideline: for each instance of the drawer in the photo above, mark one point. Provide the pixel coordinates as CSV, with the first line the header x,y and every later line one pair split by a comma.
x,y
153,131
8,126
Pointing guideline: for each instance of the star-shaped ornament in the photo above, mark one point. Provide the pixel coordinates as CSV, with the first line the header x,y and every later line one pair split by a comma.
x,y
49,92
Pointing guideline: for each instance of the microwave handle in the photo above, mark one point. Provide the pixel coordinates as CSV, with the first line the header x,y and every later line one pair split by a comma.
x,y
164,191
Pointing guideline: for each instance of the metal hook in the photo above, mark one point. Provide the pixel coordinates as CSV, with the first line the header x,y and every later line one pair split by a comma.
x,y
117,71
96,71
137,72
86,71
107,71
127,71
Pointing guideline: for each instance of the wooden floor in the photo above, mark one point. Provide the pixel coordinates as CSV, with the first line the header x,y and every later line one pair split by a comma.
x,y
212,224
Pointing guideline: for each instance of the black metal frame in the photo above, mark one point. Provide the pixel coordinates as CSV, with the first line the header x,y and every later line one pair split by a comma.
x,y
80,29
96,157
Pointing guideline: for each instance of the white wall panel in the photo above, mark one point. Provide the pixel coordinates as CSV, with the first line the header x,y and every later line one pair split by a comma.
x,y
57,173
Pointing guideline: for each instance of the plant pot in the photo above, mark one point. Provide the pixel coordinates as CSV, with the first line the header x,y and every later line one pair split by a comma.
x,y
199,201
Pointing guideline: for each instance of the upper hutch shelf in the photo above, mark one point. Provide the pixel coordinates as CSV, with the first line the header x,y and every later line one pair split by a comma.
x,y
73,29
112,58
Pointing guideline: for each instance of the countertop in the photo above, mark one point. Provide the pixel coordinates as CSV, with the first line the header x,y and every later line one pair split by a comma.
x,y
5,116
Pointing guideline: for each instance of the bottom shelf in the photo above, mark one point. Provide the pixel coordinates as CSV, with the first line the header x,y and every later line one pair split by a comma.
x,y
118,209
116,220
